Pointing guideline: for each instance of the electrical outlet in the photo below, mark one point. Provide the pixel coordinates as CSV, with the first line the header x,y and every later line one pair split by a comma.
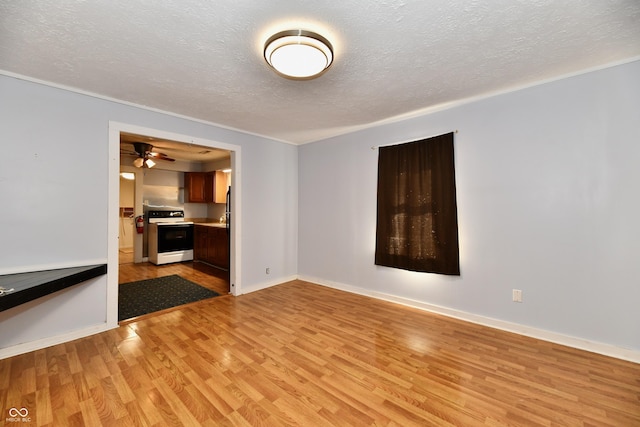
x,y
517,295
268,270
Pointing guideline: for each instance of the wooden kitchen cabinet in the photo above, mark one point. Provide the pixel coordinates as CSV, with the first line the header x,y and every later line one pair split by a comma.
x,y
200,235
221,243
205,187
195,188
211,245
219,187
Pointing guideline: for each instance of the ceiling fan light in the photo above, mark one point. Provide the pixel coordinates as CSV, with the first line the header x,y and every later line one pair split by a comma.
x,y
138,162
298,54
149,163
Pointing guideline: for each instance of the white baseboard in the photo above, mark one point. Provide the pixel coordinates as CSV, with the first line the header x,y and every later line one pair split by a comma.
x,y
50,341
541,334
264,285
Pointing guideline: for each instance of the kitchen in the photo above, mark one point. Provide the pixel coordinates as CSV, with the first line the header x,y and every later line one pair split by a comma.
x,y
174,211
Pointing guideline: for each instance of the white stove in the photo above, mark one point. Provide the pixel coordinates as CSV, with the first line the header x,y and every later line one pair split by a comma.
x,y
169,217
170,237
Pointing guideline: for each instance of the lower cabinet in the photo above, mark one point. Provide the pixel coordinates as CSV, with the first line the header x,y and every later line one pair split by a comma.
x,y
211,245
200,235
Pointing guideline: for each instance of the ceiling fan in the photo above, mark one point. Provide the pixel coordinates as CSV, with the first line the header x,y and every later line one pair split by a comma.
x,y
146,157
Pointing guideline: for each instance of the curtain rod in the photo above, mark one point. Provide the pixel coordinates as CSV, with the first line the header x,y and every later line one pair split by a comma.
x,y
396,143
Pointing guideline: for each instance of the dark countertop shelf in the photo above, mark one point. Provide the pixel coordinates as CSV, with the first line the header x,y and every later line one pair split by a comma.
x,y
29,286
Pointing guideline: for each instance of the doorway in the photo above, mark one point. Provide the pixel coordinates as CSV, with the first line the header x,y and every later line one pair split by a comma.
x,y
126,215
118,216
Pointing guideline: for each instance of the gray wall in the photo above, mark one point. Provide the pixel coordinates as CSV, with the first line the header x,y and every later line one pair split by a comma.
x,y
547,181
548,186
54,173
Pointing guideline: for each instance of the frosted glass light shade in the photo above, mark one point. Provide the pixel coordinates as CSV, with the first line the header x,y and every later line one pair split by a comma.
x,y
143,163
298,54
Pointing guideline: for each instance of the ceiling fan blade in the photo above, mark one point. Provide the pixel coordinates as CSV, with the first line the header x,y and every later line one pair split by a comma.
x,y
144,152
161,156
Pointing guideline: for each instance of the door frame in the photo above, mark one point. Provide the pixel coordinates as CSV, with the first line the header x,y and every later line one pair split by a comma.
x,y
115,128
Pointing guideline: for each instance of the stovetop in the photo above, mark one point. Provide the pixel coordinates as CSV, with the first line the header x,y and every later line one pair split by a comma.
x,y
173,216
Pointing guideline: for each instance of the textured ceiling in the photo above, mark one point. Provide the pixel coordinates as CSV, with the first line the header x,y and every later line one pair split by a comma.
x,y
393,58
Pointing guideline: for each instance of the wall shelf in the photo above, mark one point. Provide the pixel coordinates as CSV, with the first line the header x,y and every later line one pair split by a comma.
x,y
21,288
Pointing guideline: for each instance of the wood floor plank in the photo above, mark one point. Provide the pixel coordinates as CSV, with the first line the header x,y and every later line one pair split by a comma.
x,y
302,354
196,272
90,414
145,407
44,413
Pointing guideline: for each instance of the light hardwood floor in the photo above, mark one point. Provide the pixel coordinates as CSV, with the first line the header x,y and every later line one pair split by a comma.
x,y
300,354
197,272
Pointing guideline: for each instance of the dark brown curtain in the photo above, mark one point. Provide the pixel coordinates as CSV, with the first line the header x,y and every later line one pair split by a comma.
x,y
417,221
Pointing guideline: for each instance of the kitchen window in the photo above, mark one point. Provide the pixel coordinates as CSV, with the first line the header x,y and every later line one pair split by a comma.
x,y
417,221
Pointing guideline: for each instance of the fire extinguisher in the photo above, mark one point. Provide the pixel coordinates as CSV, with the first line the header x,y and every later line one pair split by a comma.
x,y
140,224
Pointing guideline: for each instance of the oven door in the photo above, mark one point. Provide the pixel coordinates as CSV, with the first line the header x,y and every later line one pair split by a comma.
x,y
175,237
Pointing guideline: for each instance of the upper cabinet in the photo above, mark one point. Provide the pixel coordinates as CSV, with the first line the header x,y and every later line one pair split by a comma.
x,y
221,185
205,187
194,187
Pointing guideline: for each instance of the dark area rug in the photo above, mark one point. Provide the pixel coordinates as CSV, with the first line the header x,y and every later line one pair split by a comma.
x,y
148,296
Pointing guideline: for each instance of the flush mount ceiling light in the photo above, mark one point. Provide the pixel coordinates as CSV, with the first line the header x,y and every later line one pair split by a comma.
x,y
298,54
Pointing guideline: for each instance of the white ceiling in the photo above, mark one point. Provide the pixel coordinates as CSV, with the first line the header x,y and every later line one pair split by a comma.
x,y
393,58
173,149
